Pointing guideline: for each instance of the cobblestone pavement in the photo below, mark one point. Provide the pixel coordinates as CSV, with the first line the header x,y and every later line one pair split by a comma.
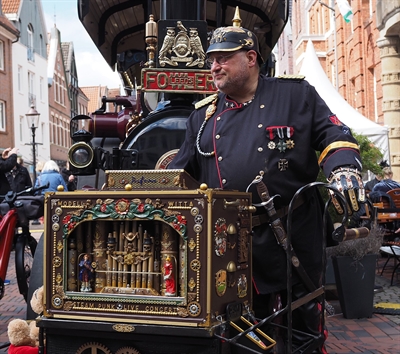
x,y
379,334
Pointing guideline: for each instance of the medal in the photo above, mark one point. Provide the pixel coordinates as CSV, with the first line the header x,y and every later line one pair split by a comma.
x,y
283,165
284,135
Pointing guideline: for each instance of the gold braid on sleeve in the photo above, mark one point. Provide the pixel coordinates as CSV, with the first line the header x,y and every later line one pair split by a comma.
x,y
337,145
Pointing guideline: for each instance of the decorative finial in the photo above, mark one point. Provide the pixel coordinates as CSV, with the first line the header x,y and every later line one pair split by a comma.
x,y
237,21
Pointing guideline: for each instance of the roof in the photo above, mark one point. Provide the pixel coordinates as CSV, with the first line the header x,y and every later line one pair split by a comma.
x,y
10,6
7,24
118,26
67,50
94,94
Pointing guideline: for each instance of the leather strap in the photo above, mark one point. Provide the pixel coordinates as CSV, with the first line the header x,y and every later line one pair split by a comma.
x,y
260,219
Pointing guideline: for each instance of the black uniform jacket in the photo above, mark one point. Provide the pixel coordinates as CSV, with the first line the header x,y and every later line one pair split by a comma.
x,y
279,133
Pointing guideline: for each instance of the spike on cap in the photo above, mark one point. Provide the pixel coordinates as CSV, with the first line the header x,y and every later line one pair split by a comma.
x,y
236,21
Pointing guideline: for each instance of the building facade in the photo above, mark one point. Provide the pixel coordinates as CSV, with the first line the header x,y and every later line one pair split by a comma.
x,y
59,99
8,35
29,82
353,56
388,25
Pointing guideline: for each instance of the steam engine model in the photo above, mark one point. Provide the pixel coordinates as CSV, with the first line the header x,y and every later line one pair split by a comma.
x,y
154,262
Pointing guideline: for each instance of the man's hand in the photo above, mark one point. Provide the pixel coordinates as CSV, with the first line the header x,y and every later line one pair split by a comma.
x,y
347,180
9,151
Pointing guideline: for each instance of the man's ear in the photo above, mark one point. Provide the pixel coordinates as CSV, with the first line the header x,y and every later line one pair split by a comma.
x,y
252,57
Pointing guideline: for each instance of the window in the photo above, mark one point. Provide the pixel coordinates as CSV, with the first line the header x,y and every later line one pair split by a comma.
x,y
21,128
2,116
31,88
30,52
1,55
41,89
19,78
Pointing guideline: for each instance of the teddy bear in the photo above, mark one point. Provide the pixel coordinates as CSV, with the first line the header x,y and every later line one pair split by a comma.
x,y
24,336
19,335
37,301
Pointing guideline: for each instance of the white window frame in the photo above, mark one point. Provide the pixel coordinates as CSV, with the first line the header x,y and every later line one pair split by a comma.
x,y
2,116
29,31
21,128
1,55
41,88
20,78
31,88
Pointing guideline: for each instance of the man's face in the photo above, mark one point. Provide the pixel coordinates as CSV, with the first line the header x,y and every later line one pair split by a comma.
x,y
229,70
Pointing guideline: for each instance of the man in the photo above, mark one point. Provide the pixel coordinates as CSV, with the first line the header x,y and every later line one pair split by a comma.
x,y
19,178
69,178
272,125
387,183
7,162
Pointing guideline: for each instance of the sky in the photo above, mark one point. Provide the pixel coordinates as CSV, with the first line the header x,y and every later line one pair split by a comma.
x,y
92,69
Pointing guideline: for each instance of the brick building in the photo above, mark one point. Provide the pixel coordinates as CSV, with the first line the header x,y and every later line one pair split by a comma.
x,y
59,99
363,66
8,35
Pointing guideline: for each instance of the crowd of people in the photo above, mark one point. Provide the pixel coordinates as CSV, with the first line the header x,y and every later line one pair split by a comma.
x,y
14,176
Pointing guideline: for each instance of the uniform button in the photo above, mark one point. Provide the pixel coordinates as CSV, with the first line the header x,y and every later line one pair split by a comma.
x,y
218,118
220,158
262,106
260,126
217,136
224,181
260,149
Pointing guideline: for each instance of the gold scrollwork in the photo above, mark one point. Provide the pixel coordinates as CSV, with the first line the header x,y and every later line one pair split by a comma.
x,y
124,328
192,245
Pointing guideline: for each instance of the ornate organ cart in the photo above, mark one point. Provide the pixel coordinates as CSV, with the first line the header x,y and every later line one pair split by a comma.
x,y
153,267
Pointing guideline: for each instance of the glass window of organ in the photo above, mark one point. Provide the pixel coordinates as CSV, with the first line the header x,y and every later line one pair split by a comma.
x,y
130,257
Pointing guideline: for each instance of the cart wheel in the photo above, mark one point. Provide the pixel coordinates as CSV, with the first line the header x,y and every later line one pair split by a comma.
x,y
25,248
36,280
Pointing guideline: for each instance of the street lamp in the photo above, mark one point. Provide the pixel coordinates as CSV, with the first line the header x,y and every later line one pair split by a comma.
x,y
33,121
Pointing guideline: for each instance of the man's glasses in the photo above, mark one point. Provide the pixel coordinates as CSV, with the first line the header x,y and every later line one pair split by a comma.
x,y
220,59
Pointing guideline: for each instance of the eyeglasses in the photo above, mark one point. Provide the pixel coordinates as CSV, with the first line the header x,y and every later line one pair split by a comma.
x,y
220,59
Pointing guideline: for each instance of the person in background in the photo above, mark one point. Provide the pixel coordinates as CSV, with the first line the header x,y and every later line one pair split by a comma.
x,y
371,184
378,177
51,174
19,178
387,183
39,168
69,178
273,125
8,160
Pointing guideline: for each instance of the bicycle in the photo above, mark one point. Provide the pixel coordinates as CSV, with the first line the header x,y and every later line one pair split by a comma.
x,y
16,210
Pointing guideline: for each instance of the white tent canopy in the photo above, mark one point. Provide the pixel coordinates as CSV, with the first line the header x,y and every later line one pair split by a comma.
x,y
315,75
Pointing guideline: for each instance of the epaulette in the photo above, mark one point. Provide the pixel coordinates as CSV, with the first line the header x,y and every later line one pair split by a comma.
x,y
205,101
291,77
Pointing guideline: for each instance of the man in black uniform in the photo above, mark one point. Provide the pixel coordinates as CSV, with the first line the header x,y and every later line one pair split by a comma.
x,y
274,125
